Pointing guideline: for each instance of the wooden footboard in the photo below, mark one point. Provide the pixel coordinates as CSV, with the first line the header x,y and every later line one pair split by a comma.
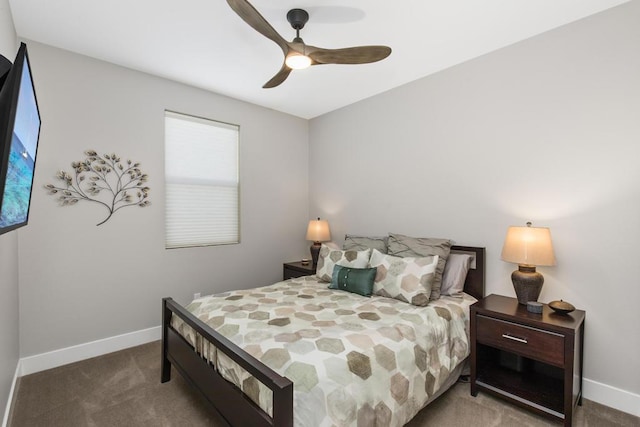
x,y
226,398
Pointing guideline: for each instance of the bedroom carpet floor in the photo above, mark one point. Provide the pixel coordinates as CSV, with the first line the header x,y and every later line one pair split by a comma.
x,y
124,389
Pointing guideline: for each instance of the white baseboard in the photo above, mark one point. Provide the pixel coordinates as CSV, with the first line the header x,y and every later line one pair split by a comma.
x,y
5,418
604,394
64,356
612,397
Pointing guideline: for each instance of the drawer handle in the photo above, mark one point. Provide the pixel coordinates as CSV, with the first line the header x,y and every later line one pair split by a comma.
x,y
511,337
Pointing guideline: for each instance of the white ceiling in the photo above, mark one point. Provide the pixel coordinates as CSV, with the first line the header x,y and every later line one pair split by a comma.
x,y
205,44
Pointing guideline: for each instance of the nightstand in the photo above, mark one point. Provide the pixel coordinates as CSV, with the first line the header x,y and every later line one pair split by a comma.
x,y
532,360
296,269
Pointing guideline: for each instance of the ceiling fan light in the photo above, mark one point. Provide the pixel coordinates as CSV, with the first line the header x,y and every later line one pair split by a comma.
x,y
297,62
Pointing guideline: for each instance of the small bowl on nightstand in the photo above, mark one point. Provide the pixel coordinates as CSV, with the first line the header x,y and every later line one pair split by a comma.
x,y
561,307
534,307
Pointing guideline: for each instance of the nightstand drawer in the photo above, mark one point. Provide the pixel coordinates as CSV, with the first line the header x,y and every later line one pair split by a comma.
x,y
292,274
291,270
529,342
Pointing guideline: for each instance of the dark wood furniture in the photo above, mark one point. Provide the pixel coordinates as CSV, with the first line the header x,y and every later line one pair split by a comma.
x,y
226,398
533,360
291,270
236,408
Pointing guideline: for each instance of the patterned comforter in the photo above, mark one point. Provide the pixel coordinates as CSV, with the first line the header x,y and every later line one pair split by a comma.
x,y
353,360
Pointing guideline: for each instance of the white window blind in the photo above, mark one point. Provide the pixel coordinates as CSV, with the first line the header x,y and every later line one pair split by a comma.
x,y
201,181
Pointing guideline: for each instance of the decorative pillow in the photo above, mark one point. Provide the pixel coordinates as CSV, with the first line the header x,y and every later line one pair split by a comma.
x,y
356,280
407,279
405,246
331,257
455,274
332,245
359,243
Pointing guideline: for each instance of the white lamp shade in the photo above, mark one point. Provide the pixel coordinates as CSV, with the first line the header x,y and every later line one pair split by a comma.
x,y
318,230
528,246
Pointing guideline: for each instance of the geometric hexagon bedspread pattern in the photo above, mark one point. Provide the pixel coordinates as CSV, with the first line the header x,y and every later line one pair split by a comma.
x,y
353,360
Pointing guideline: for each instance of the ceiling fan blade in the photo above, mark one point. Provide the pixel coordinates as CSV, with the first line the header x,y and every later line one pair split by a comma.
x,y
251,16
278,78
348,55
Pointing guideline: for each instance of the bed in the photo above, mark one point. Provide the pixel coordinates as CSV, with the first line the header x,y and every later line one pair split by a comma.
x,y
244,350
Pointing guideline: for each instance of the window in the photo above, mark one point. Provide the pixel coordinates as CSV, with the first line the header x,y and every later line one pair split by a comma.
x,y
201,182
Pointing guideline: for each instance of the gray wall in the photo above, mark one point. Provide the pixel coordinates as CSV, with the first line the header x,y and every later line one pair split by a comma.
x,y
9,345
546,130
79,282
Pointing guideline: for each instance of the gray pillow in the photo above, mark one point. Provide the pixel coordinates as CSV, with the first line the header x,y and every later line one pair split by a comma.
x,y
405,246
359,243
455,274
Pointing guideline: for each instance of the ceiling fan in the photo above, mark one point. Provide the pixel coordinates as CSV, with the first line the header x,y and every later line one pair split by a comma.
x,y
297,54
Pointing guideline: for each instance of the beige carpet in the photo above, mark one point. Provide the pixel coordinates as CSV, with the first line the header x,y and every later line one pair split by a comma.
x,y
123,389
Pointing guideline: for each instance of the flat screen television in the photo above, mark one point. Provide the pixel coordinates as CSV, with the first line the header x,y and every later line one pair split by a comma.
x,y
19,134
5,67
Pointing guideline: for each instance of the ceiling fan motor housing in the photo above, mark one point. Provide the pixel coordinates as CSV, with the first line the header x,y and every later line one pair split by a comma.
x,y
297,18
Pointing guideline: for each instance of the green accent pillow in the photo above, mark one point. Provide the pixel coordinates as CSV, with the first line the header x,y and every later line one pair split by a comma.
x,y
356,280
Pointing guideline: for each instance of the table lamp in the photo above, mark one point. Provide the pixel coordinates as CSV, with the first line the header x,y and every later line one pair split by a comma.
x,y
528,247
317,231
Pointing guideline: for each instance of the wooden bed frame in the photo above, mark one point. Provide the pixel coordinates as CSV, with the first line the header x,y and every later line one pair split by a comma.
x,y
227,399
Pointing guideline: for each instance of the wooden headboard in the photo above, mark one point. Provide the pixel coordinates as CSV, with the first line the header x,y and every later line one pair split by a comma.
x,y
474,285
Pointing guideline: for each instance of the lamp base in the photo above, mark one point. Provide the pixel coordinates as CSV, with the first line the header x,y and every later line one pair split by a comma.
x,y
527,283
315,253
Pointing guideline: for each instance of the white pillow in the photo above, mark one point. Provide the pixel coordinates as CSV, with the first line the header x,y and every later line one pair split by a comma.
x,y
329,258
407,279
455,274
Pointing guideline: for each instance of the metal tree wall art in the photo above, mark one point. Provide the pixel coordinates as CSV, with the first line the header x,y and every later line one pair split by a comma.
x,y
105,180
